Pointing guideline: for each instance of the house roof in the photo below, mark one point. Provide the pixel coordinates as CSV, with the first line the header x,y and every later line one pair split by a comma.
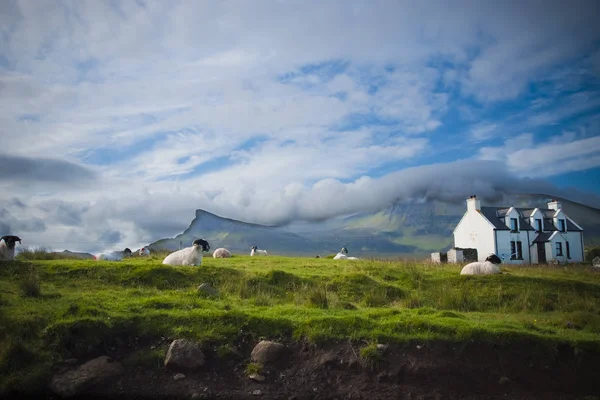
x,y
493,214
549,225
490,213
526,212
542,237
496,215
572,227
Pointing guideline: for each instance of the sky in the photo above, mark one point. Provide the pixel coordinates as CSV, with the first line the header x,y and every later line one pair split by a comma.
x,y
119,118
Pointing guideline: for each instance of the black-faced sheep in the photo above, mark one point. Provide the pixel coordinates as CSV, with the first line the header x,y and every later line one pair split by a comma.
x,y
189,256
256,252
7,247
487,267
114,255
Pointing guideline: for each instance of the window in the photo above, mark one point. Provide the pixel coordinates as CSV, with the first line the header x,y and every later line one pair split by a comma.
x,y
561,225
516,250
513,225
568,249
538,225
559,249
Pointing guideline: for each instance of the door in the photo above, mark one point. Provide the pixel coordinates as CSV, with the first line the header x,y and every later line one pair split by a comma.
x,y
541,251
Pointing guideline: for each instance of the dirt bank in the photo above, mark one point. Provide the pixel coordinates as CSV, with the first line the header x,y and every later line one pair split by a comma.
x,y
415,371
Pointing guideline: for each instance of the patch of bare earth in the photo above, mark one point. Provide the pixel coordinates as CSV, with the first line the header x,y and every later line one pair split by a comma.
x,y
337,371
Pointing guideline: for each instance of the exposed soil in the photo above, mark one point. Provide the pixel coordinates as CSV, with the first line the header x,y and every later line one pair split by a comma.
x,y
427,371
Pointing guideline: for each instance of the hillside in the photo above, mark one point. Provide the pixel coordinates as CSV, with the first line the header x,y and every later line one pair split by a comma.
x,y
472,334
238,237
402,230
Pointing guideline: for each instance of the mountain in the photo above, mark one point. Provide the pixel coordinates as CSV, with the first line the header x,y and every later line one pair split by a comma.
x,y
239,237
403,230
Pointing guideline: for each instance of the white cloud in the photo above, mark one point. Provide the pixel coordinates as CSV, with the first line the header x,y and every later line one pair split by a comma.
x,y
152,90
557,156
482,132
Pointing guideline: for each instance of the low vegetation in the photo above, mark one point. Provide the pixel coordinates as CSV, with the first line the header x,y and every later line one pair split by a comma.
x,y
51,310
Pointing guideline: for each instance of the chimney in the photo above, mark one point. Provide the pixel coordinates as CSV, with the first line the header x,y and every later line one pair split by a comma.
x,y
554,205
473,203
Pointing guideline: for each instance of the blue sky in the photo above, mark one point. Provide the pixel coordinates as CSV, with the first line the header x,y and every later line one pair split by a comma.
x,y
131,114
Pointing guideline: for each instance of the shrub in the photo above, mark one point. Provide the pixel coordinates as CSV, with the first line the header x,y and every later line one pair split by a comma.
x,y
591,253
30,284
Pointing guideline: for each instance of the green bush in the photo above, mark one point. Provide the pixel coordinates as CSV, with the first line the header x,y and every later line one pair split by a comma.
x,y
591,253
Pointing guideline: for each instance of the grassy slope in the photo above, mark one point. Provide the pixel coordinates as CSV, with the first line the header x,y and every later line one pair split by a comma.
x,y
85,307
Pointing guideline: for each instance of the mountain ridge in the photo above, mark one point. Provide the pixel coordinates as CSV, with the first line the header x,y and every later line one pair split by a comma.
x,y
402,229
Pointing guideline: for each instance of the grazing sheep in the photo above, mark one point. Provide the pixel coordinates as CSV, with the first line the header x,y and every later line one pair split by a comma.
x,y
256,252
189,256
7,247
113,256
487,267
221,252
144,252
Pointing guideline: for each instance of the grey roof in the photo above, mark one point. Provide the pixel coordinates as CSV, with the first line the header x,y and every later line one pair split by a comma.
x,y
490,214
542,237
496,216
571,227
549,225
548,213
525,212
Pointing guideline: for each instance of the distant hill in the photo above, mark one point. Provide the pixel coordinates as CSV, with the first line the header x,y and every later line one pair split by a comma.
x,y
402,230
68,253
238,237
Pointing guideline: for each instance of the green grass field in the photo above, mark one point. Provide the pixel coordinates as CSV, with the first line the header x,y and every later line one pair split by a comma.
x,y
51,310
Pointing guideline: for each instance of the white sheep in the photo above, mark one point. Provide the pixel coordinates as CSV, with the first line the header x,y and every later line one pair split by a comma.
x,y
144,252
221,252
342,255
113,256
256,252
7,247
189,256
487,267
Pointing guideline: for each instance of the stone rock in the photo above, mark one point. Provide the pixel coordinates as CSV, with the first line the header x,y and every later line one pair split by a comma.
x,y
207,289
257,377
74,382
256,392
596,262
266,352
382,347
504,380
178,377
184,354
70,361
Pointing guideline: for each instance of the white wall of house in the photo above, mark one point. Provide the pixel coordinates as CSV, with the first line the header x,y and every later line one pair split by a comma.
x,y
575,249
536,214
504,250
475,232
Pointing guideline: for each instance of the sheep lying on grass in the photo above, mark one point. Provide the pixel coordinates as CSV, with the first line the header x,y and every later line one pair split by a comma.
x,y
221,252
144,252
487,267
189,256
113,256
256,252
7,247
342,255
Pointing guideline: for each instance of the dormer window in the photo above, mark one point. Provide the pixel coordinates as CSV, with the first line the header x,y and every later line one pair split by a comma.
x,y
538,225
561,225
513,225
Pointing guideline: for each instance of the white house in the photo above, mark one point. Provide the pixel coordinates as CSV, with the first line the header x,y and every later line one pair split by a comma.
x,y
520,235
